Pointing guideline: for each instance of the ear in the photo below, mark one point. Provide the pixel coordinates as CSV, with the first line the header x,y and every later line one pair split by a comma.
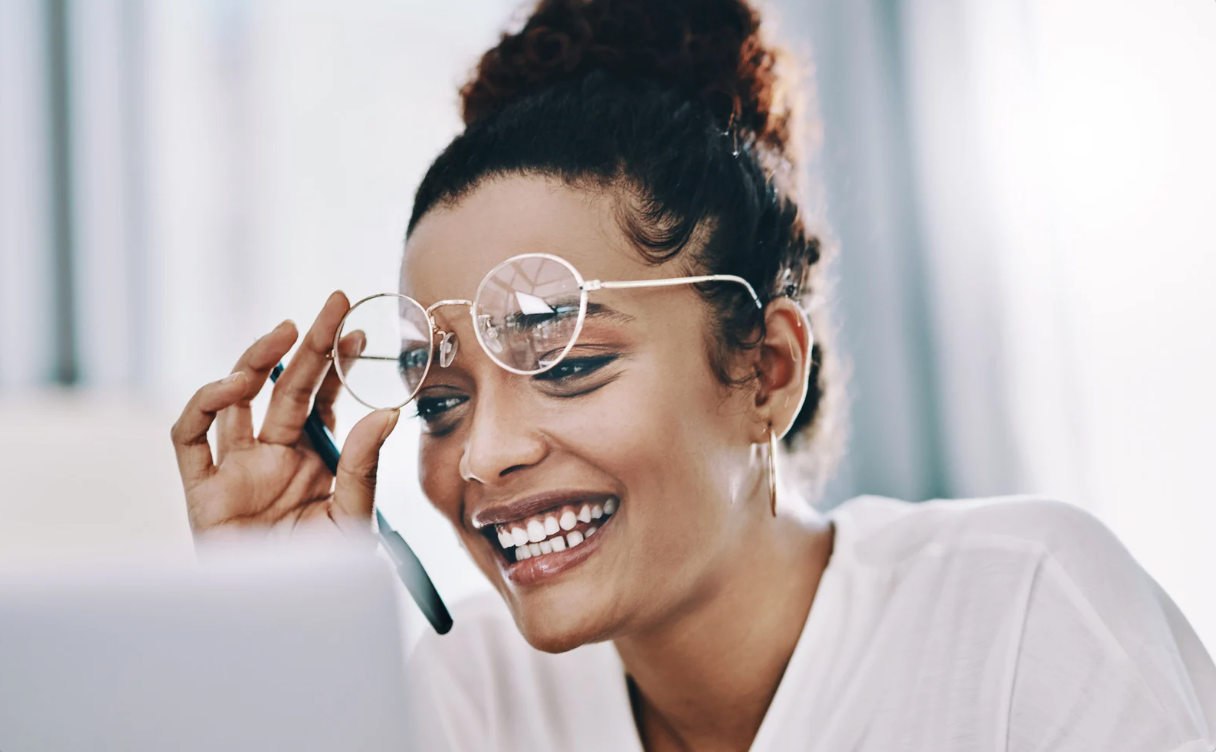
x,y
784,366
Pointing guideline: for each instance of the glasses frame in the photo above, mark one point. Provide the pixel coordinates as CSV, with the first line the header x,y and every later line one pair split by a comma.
x,y
584,286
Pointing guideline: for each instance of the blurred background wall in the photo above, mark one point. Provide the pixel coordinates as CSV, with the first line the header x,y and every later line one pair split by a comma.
x,y
1021,191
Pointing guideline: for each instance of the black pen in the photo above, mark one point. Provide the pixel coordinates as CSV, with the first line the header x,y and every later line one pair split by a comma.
x,y
409,568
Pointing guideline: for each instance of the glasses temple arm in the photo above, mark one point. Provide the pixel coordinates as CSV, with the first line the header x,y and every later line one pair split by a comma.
x,y
595,284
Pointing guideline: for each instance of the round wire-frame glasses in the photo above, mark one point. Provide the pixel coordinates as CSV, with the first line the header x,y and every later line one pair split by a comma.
x,y
512,276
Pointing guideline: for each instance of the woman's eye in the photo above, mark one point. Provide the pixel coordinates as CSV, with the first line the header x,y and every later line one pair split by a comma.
x,y
571,368
430,409
413,359
437,411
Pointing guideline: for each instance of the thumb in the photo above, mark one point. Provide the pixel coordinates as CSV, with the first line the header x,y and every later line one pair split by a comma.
x,y
355,486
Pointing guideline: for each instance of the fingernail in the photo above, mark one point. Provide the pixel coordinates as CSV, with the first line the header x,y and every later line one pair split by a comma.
x,y
390,424
231,377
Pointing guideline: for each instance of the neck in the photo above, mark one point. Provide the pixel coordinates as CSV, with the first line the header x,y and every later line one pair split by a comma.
x,y
705,678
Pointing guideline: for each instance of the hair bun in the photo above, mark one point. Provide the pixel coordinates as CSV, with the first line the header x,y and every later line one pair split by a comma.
x,y
709,49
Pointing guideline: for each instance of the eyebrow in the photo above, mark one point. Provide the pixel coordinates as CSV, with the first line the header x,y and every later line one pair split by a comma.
x,y
599,310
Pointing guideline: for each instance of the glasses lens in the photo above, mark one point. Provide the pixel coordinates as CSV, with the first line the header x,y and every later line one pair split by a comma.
x,y
394,360
527,312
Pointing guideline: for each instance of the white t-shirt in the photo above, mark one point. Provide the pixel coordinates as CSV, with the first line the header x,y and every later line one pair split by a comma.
x,y
1003,624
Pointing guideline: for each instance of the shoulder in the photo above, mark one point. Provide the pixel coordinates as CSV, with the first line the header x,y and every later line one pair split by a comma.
x,y
988,560
884,532
1044,553
1095,649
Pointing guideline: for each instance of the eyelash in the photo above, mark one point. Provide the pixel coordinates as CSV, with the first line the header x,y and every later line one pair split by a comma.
x,y
574,367
428,408
431,409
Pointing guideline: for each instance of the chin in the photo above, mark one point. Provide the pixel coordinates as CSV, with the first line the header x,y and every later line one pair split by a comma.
x,y
554,623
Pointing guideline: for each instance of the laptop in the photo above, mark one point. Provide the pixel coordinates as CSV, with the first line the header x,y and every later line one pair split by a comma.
x,y
252,652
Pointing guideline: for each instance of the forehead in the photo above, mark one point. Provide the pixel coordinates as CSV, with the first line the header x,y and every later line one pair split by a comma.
x,y
452,248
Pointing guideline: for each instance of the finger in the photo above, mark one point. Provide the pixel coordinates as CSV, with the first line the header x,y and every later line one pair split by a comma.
x,y
349,348
235,423
293,392
355,487
189,433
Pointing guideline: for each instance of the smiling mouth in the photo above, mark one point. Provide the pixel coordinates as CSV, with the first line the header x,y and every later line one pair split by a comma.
x,y
551,532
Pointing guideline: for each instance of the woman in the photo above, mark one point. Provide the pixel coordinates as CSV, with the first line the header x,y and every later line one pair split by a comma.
x,y
610,464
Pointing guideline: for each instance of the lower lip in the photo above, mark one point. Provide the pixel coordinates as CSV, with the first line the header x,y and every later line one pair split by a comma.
x,y
539,569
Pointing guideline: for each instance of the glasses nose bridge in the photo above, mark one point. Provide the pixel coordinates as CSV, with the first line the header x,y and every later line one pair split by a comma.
x,y
430,311
441,303
448,342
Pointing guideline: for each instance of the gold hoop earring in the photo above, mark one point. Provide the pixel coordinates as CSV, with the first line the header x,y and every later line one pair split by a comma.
x,y
772,469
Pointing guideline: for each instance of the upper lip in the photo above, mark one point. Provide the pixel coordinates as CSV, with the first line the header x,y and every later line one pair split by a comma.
x,y
520,509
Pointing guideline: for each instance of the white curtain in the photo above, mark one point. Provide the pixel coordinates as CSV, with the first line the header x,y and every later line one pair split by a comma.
x,y
25,261
1030,183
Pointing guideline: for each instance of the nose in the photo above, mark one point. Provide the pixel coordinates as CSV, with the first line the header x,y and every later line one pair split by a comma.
x,y
501,440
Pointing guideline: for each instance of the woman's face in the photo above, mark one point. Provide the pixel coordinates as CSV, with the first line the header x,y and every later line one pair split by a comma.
x,y
632,418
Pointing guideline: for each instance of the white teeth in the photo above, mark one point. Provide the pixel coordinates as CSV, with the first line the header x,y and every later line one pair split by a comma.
x,y
542,535
536,531
568,520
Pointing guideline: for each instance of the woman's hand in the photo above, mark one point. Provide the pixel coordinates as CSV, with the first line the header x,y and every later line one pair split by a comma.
x,y
274,481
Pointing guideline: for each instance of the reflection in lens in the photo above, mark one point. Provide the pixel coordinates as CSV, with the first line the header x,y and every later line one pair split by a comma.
x,y
398,352
527,312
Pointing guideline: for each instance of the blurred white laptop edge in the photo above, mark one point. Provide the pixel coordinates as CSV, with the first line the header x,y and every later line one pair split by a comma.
x,y
246,652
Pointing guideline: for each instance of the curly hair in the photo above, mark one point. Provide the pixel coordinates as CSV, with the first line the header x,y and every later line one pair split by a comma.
x,y
682,111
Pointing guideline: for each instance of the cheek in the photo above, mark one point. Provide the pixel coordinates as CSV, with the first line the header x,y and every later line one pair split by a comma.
x,y
662,437
671,445
439,475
